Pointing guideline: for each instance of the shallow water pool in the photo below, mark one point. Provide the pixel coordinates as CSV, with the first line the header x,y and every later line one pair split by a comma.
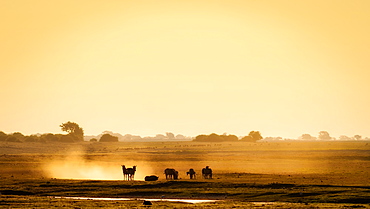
x,y
193,201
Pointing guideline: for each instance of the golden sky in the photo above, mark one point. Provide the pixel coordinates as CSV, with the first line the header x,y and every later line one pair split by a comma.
x,y
283,68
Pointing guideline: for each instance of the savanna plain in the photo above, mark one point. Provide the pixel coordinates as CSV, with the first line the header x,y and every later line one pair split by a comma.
x,y
283,174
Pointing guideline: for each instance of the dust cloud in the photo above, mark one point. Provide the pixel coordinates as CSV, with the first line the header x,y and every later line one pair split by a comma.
x,y
77,165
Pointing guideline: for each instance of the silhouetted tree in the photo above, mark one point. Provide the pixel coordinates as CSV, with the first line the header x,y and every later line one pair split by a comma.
x,y
253,136
160,137
50,137
18,135
256,135
247,139
180,137
357,137
129,137
229,138
307,137
108,138
344,138
324,135
11,138
270,138
74,130
170,135
201,138
120,137
31,138
3,136
67,138
215,138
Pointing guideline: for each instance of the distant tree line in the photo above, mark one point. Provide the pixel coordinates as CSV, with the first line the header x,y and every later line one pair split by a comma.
x,y
325,136
253,136
75,134
108,136
49,137
168,136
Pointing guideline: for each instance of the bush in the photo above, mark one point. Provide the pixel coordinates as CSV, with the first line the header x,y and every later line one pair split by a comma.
x,y
215,138
3,136
108,138
12,139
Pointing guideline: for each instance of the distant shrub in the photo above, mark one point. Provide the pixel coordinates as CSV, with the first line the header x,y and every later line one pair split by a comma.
x,y
67,138
108,138
50,137
252,137
3,136
215,138
12,139
31,139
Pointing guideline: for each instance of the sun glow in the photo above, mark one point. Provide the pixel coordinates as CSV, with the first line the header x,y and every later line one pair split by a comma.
x,y
188,67
76,166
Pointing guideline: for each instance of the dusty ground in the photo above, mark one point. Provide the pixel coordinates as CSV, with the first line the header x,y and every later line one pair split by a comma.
x,y
246,175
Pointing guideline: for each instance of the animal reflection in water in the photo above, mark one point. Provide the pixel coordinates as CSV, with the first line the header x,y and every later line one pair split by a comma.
x,y
191,172
207,172
128,173
171,173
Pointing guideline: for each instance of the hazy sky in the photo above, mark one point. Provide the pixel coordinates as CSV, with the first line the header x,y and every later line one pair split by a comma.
x,y
189,67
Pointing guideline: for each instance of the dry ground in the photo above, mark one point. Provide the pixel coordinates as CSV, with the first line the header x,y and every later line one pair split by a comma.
x,y
246,175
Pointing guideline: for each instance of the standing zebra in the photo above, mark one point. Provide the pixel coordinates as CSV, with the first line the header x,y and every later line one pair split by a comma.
x,y
128,173
207,172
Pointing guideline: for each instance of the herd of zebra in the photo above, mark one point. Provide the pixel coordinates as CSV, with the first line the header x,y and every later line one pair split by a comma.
x,y
170,173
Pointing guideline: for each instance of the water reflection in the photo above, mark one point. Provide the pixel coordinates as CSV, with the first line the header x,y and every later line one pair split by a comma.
x,y
193,201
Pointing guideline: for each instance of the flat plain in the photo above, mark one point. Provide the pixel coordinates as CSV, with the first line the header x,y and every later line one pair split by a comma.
x,y
284,174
